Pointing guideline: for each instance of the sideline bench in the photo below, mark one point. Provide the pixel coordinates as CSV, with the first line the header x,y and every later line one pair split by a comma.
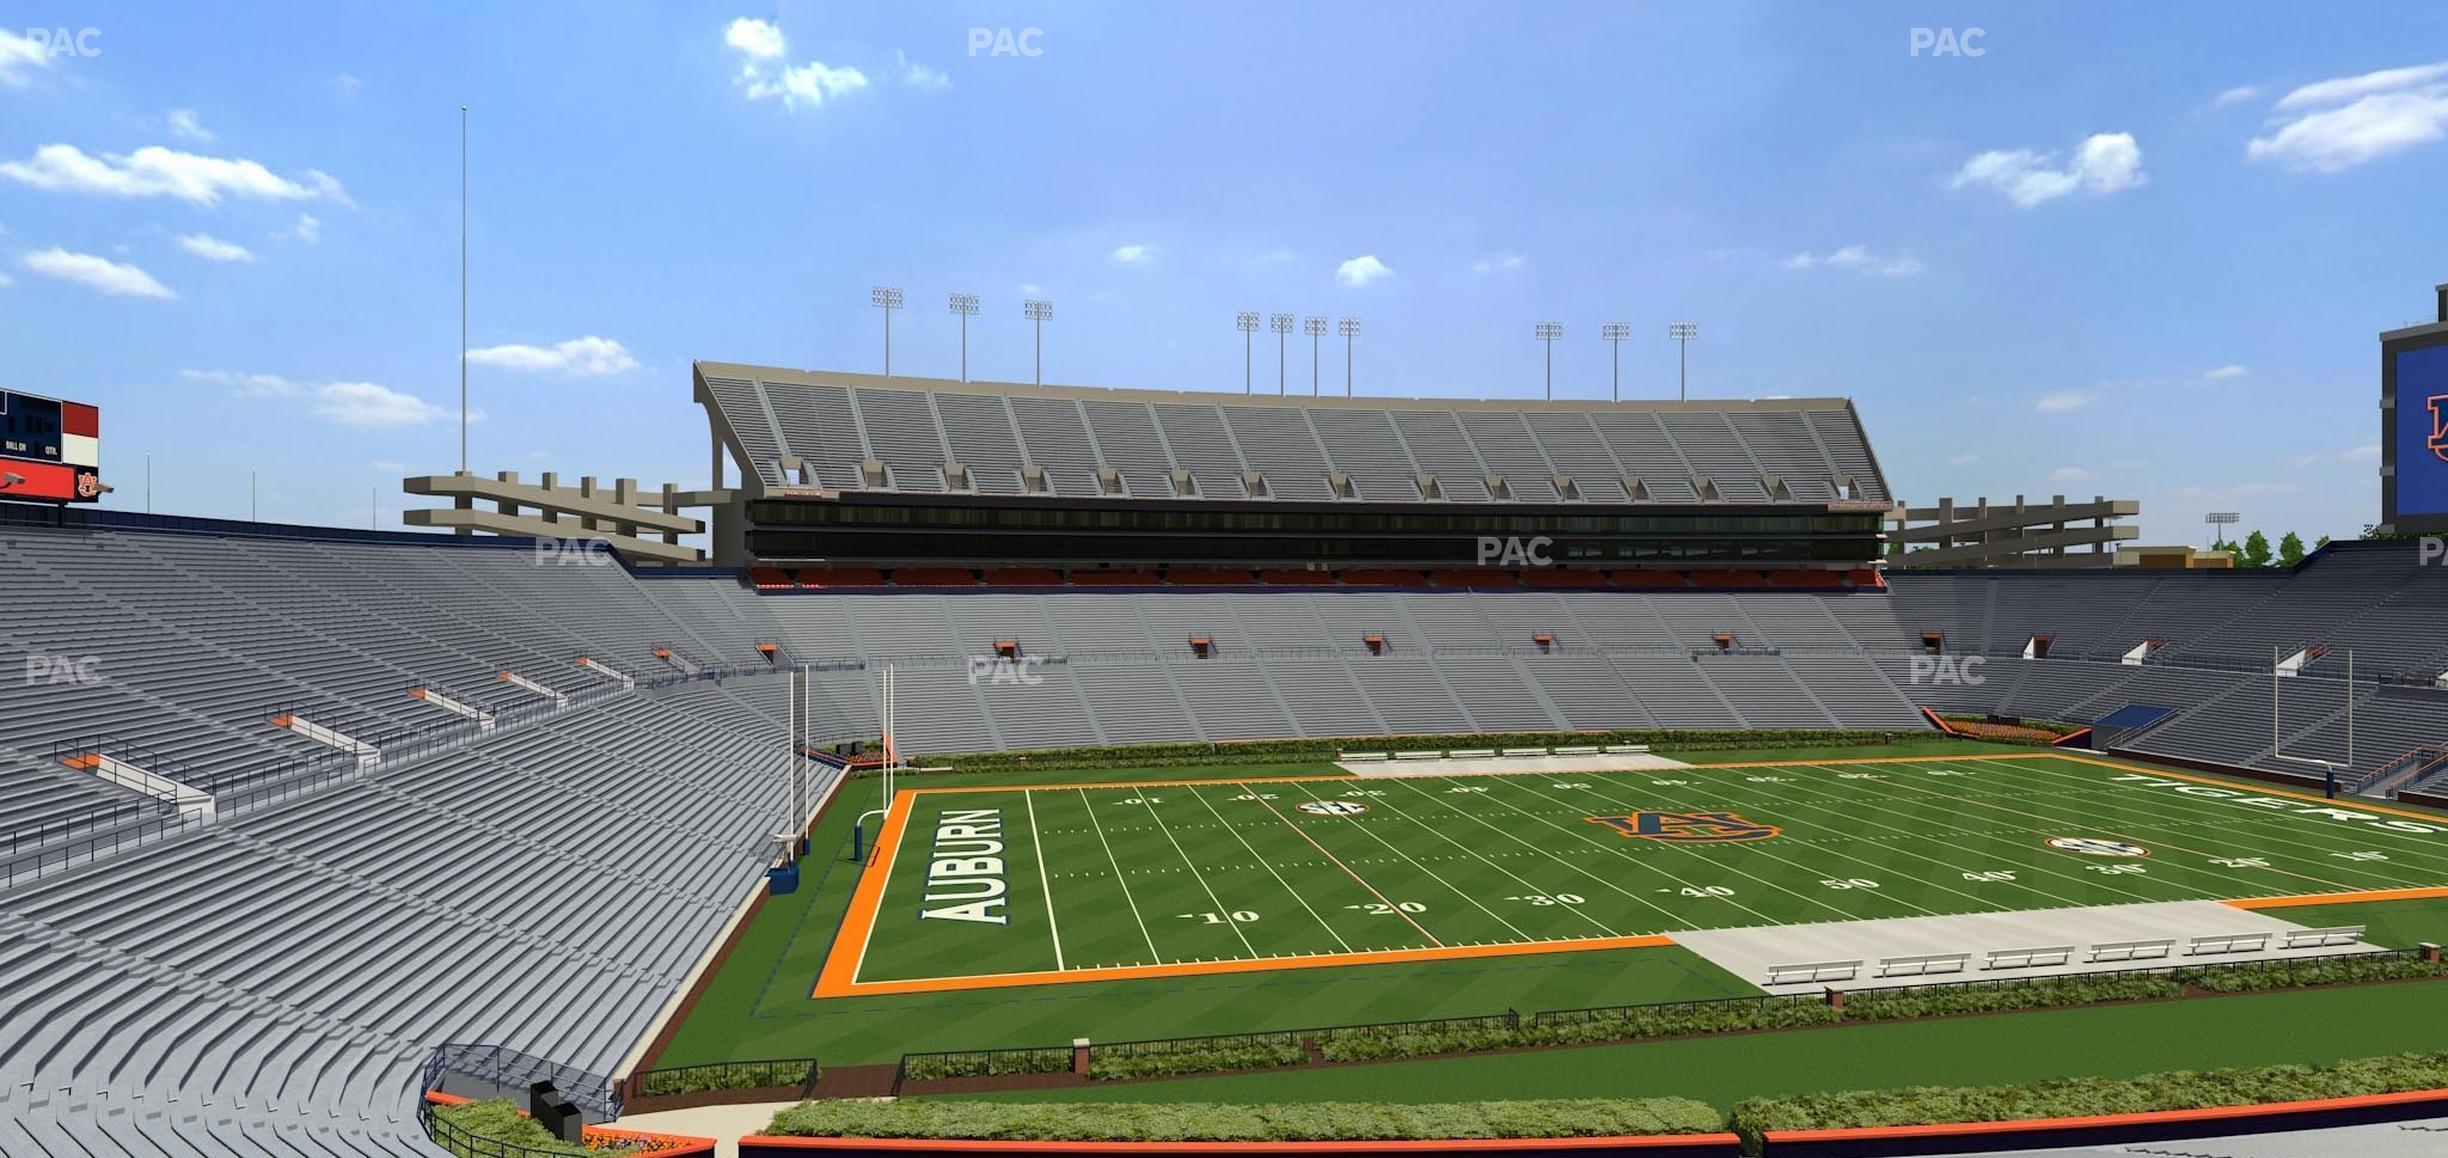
x,y
2227,943
2132,950
1923,964
1803,971
2029,958
2321,938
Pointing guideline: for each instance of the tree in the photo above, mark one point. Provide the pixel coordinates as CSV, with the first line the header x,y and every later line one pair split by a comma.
x,y
2290,550
2256,551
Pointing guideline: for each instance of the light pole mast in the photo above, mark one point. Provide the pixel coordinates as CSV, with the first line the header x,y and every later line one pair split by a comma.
x,y
1615,333
1281,324
1038,310
1350,328
1683,333
966,305
1245,321
1548,332
887,299
1315,327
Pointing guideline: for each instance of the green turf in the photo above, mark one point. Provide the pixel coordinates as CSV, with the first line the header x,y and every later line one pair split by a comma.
x,y
2307,1026
1091,877
2396,924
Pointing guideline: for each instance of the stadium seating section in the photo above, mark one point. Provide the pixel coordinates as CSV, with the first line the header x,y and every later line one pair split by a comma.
x,y
273,981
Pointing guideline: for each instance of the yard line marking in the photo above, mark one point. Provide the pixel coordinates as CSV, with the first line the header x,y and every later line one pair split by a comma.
x,y
1500,868
1262,863
1038,843
2117,828
1737,870
1675,920
1432,873
1391,907
2425,845
1849,809
1212,898
1127,899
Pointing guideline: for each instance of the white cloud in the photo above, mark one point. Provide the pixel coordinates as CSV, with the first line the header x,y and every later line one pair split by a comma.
x,y
1499,263
6,281
2062,401
1964,460
365,404
918,75
1856,257
2368,452
2105,163
2224,373
210,248
386,466
2066,474
348,82
2337,124
1362,270
185,126
96,273
308,229
156,171
247,385
587,357
19,57
1131,254
761,48
2236,96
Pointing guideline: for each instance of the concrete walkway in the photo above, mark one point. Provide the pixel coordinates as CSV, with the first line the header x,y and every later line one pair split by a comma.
x,y
724,1124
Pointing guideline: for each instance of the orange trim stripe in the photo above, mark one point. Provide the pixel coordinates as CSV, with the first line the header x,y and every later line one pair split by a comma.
x,y
2294,902
2146,1117
840,974
1440,1145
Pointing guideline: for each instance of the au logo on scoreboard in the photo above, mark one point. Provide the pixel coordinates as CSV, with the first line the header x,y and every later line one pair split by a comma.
x,y
1687,827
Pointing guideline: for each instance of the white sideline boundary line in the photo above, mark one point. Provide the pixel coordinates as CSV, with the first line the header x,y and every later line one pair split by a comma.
x,y
1044,884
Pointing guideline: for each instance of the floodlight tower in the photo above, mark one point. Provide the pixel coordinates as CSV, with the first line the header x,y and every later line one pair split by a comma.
x,y
1683,333
1281,324
1245,321
1315,327
966,305
1038,310
1349,328
1615,333
887,299
1548,332
2219,522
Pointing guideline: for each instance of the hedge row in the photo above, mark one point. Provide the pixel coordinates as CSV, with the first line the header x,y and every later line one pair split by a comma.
x,y
1634,1023
2083,1097
1204,1122
483,1130
725,1076
1304,750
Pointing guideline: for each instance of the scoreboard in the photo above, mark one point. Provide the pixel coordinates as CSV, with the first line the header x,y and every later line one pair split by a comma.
x,y
50,451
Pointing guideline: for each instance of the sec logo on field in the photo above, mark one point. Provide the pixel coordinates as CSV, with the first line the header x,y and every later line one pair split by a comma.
x,y
1332,807
2093,846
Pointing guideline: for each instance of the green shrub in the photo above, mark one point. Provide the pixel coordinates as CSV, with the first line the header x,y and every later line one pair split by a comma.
x,y
2080,1097
1114,1065
728,1076
1626,1024
927,1067
2318,971
1308,750
1202,1122
497,1120
2038,993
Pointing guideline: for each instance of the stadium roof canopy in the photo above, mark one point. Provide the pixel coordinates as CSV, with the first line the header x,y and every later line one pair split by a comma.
x,y
817,433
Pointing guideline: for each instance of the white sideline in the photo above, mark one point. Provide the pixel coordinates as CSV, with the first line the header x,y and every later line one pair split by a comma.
x,y
1490,764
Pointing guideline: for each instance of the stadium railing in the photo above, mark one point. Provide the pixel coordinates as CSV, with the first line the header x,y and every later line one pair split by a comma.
x,y
769,1074
511,1072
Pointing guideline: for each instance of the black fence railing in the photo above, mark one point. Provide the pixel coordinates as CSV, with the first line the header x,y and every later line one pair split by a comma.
x,y
510,1071
1759,1005
41,859
771,1074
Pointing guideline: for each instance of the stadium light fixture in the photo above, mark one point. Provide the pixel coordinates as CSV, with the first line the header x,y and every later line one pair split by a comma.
x,y
1038,310
966,305
1683,333
1349,328
1548,332
463,292
1615,333
1282,325
1245,321
887,299
2219,522
1315,327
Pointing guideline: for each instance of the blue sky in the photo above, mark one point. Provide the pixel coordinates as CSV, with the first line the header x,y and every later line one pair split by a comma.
x,y
2140,251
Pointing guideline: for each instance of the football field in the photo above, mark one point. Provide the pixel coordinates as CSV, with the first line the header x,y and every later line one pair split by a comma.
x,y
989,887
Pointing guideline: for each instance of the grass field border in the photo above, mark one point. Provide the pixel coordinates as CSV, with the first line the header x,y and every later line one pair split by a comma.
x,y
839,975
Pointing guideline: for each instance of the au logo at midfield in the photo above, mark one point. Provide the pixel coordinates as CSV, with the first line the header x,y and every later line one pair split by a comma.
x,y
1687,827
